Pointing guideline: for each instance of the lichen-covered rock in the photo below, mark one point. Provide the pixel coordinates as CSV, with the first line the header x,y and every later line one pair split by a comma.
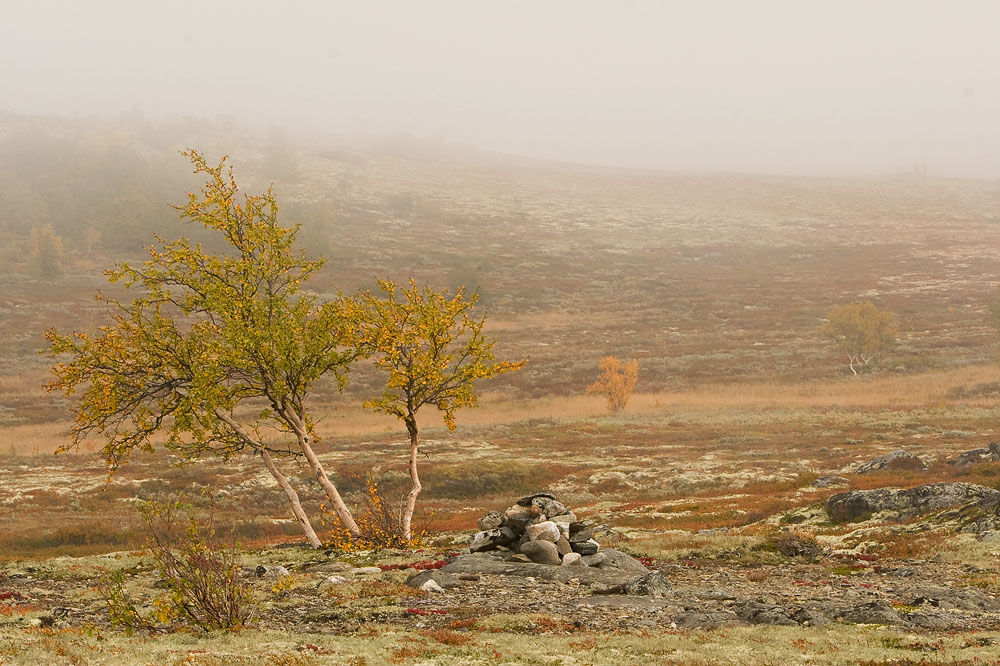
x,y
875,612
440,578
528,500
653,584
900,459
829,481
271,572
858,505
490,521
492,539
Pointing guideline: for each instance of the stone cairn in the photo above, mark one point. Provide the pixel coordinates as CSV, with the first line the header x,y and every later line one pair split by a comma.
x,y
540,529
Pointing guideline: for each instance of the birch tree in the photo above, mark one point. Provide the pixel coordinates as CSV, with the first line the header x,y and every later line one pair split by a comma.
x,y
217,350
861,331
433,351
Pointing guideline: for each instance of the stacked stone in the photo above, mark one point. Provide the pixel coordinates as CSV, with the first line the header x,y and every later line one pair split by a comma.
x,y
540,528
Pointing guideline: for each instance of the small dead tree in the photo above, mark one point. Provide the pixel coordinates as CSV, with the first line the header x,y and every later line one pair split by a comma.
x,y
617,381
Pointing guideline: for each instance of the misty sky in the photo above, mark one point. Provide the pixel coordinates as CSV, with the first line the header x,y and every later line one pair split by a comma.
x,y
794,86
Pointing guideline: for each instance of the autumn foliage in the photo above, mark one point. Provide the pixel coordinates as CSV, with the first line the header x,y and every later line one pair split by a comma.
x,y
432,351
617,381
861,331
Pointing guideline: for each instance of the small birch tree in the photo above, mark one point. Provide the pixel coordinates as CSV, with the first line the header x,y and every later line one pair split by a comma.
x,y
616,383
208,336
433,351
861,331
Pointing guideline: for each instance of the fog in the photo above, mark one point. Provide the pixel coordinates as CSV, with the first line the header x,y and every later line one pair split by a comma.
x,y
821,87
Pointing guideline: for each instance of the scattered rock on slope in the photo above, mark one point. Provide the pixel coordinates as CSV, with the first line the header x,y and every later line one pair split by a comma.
x,y
897,460
989,454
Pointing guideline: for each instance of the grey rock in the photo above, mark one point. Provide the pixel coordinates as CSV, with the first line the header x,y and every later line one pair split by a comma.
x,y
518,517
567,519
755,612
615,559
829,481
330,582
588,547
492,539
442,579
573,560
365,571
564,548
980,517
528,500
542,552
860,504
431,585
810,618
871,613
271,572
971,458
577,526
900,459
947,598
932,620
582,535
653,584
495,564
490,521
554,508
596,559
544,531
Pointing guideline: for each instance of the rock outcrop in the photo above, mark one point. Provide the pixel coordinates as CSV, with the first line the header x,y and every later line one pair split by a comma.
x,y
897,460
857,505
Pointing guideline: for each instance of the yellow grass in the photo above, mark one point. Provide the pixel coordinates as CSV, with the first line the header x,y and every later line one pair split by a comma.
x,y
885,391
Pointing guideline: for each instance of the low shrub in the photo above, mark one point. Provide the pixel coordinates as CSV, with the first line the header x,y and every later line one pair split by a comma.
x,y
200,573
795,543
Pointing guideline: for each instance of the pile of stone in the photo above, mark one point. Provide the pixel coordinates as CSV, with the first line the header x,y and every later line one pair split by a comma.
x,y
540,529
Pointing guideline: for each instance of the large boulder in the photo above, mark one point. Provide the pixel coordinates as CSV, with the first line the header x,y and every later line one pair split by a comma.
x,y
856,505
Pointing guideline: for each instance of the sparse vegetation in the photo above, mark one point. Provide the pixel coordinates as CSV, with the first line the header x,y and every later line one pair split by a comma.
x,y
721,315
200,573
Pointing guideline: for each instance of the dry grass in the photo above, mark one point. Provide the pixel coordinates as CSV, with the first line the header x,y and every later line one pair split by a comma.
x,y
885,391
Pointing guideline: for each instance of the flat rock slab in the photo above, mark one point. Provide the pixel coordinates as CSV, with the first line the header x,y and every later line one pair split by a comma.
x,y
622,601
486,563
